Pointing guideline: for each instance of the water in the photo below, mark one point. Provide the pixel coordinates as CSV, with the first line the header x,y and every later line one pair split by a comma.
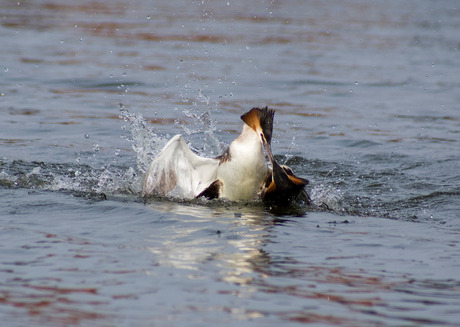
x,y
367,98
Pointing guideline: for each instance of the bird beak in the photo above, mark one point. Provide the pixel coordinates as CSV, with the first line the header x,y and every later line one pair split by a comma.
x,y
268,148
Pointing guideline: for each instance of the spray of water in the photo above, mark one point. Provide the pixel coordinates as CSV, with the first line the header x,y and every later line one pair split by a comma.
x,y
92,175
203,128
145,142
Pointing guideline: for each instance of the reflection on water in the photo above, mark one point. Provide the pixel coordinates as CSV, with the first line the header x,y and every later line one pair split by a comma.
x,y
241,254
52,305
181,262
186,248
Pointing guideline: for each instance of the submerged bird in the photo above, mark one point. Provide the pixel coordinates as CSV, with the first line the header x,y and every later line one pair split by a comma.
x,y
240,173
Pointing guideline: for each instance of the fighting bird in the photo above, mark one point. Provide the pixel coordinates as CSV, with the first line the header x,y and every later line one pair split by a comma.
x,y
240,173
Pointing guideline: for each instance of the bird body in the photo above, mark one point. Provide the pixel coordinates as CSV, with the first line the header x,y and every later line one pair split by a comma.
x,y
240,173
244,173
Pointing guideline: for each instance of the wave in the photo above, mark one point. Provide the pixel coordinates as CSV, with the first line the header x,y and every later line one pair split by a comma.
x,y
337,189
402,192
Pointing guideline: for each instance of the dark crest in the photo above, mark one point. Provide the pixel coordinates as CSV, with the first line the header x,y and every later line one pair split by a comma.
x,y
266,122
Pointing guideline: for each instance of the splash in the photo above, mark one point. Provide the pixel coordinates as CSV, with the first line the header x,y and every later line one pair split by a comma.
x,y
145,142
203,128
328,197
69,177
93,174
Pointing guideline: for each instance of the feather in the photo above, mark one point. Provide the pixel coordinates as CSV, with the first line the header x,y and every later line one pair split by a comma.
x,y
177,171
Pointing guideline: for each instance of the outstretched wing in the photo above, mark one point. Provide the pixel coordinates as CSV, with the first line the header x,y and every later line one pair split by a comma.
x,y
177,171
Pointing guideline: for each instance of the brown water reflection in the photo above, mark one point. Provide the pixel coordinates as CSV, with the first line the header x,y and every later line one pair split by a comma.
x,y
303,287
49,301
179,260
52,307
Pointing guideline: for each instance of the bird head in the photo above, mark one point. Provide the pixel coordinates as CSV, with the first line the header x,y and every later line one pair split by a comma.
x,y
261,121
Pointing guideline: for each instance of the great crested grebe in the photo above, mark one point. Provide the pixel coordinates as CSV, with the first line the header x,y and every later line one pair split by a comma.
x,y
240,173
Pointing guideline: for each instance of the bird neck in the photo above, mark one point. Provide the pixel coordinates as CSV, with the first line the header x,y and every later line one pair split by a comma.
x,y
247,144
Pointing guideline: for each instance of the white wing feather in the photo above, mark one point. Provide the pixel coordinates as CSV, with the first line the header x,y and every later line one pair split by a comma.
x,y
177,171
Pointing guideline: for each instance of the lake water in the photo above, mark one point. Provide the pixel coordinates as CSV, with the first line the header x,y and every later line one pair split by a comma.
x,y
367,96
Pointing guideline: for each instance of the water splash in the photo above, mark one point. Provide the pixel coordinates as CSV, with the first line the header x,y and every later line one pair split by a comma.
x,y
289,155
203,126
122,181
145,142
344,188
328,197
68,177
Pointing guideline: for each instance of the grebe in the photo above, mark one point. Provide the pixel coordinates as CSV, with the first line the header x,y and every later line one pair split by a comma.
x,y
240,173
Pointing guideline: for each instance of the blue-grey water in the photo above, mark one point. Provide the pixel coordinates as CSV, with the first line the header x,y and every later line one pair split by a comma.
x,y
367,95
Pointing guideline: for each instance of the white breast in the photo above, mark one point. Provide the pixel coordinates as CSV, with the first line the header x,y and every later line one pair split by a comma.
x,y
243,175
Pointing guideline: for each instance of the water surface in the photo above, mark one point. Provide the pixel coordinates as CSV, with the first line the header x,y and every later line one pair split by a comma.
x,y
367,98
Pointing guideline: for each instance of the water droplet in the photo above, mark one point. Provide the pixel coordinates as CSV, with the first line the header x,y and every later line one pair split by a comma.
x,y
6,69
96,147
356,82
148,17
86,136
